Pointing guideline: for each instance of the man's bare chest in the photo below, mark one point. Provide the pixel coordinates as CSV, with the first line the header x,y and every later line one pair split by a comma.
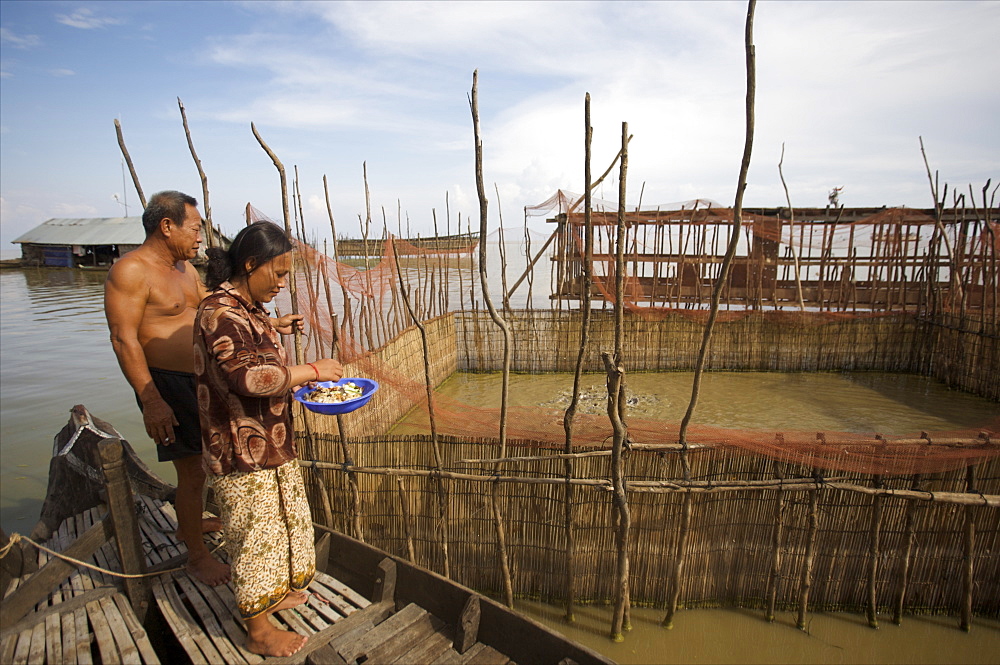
x,y
173,296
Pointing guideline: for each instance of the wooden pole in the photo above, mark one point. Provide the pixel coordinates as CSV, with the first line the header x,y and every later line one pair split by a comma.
x,y
616,406
873,555
805,580
791,224
442,494
128,160
734,236
292,291
779,526
201,175
904,575
128,541
504,328
585,315
968,552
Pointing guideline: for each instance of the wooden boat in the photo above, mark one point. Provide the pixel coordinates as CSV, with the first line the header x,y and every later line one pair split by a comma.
x,y
365,606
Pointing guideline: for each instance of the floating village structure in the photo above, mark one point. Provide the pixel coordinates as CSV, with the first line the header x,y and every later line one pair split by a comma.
x,y
95,242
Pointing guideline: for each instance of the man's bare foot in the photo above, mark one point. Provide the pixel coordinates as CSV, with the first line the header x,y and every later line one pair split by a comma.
x,y
210,524
208,570
266,640
291,600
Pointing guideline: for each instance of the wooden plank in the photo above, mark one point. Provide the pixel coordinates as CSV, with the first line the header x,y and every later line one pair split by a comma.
x,y
180,623
67,627
294,622
209,625
397,623
38,586
53,638
396,646
84,637
102,633
23,646
366,618
487,656
315,621
449,657
334,600
7,647
426,651
323,609
228,617
66,607
325,655
142,643
204,650
344,590
36,650
121,634
68,638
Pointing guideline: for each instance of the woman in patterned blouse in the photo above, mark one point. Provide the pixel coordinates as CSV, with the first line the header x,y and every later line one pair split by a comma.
x,y
248,444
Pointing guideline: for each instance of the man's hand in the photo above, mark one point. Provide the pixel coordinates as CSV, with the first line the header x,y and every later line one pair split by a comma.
x,y
288,324
159,420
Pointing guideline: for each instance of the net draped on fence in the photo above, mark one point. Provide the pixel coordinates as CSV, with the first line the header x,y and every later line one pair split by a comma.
x,y
359,307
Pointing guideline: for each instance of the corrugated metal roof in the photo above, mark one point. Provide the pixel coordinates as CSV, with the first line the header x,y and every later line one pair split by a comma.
x,y
87,231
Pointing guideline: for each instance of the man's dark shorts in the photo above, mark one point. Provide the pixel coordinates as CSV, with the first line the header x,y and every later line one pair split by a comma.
x,y
178,391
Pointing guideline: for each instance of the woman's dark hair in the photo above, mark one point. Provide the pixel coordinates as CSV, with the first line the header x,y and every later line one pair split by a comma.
x,y
167,204
258,243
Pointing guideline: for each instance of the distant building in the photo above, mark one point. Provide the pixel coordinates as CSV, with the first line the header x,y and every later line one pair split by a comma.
x,y
89,242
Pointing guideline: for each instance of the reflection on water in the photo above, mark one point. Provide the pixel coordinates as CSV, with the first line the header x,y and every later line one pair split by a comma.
x,y
54,354
743,636
862,402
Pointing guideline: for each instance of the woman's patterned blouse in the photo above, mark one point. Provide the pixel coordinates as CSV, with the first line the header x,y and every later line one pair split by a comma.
x,y
243,386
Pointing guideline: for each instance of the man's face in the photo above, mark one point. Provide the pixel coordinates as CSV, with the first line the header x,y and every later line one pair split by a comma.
x,y
185,238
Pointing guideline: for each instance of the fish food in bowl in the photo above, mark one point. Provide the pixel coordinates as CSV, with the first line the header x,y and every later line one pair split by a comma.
x,y
336,397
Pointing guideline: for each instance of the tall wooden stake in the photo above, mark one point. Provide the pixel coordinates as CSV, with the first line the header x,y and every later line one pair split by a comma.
x,y
201,174
128,160
505,329
292,291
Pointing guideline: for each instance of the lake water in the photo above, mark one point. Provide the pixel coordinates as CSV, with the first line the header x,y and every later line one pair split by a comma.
x,y
55,353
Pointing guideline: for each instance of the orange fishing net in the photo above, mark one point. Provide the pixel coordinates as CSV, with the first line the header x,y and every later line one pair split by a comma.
x,y
355,306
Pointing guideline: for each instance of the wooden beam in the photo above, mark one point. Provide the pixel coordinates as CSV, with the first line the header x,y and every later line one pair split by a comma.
x,y
37,587
128,541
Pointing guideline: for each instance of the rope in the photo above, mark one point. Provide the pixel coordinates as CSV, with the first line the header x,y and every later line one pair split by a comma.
x,y
16,538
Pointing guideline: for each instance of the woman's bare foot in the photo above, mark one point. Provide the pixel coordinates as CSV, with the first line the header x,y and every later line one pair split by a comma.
x,y
208,570
265,639
210,524
291,600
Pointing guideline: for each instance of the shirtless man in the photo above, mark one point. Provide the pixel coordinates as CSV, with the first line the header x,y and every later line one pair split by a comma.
x,y
150,300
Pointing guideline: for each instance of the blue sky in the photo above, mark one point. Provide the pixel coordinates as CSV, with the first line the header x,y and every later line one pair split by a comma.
x,y
848,87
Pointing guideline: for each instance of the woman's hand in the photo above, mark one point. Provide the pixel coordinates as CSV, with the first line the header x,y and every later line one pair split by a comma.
x,y
329,369
288,324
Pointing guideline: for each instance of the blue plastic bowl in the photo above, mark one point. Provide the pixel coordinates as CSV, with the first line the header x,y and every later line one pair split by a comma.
x,y
368,388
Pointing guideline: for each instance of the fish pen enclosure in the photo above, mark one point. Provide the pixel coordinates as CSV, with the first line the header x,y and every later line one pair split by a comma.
x,y
534,502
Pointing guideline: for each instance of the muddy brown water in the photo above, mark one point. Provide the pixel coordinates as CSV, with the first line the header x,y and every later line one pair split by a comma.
x,y
54,353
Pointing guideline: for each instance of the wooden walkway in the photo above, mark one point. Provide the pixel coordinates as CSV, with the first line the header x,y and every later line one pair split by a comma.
x,y
87,620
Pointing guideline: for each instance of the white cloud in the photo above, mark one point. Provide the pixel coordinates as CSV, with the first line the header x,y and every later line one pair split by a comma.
x,y
85,19
62,72
19,41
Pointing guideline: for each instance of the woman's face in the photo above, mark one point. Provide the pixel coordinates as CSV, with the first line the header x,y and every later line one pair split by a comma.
x,y
266,281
